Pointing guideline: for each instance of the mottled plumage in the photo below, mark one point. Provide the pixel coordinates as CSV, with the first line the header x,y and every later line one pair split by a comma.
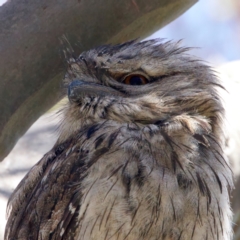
x,y
139,155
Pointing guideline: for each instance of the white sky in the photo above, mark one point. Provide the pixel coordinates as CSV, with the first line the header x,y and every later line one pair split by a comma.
x,y
2,2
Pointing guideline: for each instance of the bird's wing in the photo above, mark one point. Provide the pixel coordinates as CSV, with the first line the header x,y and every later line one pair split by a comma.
x,y
45,203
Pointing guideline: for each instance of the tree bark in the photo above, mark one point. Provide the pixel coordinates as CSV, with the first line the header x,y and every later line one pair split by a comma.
x,y
31,66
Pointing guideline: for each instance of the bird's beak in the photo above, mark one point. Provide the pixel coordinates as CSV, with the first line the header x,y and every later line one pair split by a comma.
x,y
78,89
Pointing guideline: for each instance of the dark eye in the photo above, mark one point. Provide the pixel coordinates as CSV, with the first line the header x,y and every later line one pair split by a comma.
x,y
135,80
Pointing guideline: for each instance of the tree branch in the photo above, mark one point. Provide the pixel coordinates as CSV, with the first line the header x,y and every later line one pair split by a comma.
x,y
31,68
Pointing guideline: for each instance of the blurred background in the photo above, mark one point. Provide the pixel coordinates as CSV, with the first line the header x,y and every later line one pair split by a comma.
x,y
212,27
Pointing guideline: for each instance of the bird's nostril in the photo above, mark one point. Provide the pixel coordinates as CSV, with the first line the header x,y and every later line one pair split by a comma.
x,y
76,82
74,85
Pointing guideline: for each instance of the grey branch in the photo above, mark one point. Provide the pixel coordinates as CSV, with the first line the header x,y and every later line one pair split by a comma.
x,y
31,66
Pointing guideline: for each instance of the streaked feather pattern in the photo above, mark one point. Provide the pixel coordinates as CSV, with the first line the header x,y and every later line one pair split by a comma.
x,y
131,162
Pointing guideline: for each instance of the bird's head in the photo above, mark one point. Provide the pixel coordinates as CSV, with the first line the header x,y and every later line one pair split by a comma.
x,y
145,83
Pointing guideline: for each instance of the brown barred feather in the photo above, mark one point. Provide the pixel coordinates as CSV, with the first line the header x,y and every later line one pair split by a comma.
x,y
133,161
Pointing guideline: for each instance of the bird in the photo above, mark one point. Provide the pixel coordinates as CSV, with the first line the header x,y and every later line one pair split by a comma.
x,y
139,156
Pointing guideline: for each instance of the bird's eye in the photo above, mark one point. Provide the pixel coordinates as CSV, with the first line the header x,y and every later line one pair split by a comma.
x,y
135,80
